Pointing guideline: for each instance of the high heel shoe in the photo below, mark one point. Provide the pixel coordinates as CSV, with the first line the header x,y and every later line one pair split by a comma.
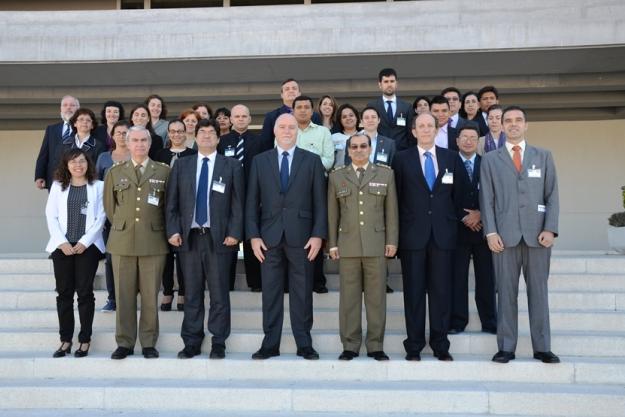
x,y
180,304
60,352
167,306
80,353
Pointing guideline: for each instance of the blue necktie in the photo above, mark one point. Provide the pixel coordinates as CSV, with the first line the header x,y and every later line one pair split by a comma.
x,y
430,174
201,201
67,131
469,166
389,109
284,172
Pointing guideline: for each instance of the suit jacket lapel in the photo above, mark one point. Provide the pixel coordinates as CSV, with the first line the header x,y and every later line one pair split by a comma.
x,y
298,156
443,166
504,155
476,169
368,175
420,175
129,170
351,175
273,165
528,158
148,172
218,170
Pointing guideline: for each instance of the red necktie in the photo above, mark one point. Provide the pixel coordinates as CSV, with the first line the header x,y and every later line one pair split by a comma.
x,y
516,157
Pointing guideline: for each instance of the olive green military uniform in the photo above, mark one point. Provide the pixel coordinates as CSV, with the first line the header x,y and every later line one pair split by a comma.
x,y
363,219
138,245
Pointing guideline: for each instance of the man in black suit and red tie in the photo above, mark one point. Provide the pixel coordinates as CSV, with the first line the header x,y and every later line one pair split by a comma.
x,y
286,220
425,179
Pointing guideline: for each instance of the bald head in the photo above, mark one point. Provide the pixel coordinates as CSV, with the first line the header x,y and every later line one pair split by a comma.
x,y
240,118
285,131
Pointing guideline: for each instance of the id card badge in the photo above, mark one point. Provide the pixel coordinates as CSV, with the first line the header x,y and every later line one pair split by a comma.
x,y
401,120
83,209
153,199
229,151
448,177
382,157
541,208
533,172
219,186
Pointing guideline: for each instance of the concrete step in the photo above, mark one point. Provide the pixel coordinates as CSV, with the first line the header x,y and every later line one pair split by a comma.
x,y
238,366
324,319
146,412
570,343
305,396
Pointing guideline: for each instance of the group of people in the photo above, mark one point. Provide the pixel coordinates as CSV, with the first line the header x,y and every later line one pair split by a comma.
x,y
437,183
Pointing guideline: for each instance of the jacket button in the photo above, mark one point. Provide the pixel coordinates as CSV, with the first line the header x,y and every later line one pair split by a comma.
x,y
361,203
136,219
360,192
362,223
138,188
362,212
138,198
138,209
431,195
429,211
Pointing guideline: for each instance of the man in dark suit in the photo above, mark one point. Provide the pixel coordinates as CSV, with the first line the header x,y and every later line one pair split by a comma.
x,y
395,115
52,145
487,96
243,145
471,243
289,91
453,96
286,220
446,135
425,176
205,224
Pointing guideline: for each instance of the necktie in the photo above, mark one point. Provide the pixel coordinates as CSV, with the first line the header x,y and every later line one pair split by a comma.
x,y
284,172
138,172
361,174
201,201
389,109
67,131
238,152
469,166
449,123
430,174
516,157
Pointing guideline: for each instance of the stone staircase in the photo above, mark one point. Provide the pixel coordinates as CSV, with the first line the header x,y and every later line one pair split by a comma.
x,y
587,299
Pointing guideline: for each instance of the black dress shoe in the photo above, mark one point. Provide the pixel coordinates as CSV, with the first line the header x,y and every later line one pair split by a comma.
x,y
308,353
347,355
60,352
263,353
320,289
166,306
378,355
256,289
149,353
180,306
455,331
188,352
503,357
546,357
80,352
413,356
121,353
489,330
217,352
443,356
389,290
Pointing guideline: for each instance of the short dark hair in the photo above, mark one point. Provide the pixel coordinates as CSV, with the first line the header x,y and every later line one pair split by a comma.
x,y
387,72
487,89
451,90
115,126
208,108
493,107
470,126
163,114
111,103
207,123
417,100
303,98
222,110
414,119
361,133
439,100
81,111
62,173
370,108
511,108
288,80
340,111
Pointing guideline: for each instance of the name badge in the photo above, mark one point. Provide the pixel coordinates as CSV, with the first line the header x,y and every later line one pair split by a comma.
x,y
533,172
83,209
219,186
153,199
448,178
401,120
382,157
229,151
541,208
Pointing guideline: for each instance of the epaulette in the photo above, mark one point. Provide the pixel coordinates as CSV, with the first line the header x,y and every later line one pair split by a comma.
x,y
381,165
162,163
339,168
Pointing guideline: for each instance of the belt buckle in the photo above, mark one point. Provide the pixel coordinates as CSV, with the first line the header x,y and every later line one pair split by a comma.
x,y
203,230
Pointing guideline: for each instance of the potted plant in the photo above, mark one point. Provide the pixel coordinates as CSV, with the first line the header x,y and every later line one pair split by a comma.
x,y
616,229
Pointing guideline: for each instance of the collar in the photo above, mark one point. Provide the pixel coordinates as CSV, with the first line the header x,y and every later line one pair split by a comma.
x,y
210,156
472,159
393,99
422,151
510,145
365,166
143,163
311,125
289,151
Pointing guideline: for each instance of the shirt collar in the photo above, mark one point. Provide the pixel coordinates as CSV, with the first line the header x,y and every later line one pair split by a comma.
x,y
365,166
510,145
210,156
472,159
393,99
143,163
280,150
422,151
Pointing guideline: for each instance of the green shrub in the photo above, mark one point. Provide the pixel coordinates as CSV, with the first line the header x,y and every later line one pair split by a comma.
x,y
617,219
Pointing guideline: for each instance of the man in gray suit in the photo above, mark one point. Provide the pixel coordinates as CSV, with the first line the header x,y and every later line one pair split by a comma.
x,y
519,202
286,218
205,224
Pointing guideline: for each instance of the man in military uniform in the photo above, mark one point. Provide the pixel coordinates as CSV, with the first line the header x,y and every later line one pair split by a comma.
x,y
363,230
134,201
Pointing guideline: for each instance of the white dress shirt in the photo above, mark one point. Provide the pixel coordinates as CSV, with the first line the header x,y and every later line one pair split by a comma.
x,y
511,152
198,171
393,104
442,137
290,157
422,152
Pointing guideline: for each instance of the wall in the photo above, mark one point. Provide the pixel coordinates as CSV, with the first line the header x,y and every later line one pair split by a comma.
x,y
58,5
589,177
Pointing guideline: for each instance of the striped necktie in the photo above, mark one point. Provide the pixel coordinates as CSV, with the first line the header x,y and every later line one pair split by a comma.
x,y
67,131
238,152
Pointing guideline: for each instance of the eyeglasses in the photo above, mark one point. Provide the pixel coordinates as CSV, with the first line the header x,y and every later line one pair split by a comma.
x,y
361,146
467,139
120,133
176,132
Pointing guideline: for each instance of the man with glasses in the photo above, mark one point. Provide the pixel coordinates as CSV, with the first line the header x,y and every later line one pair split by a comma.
x,y
363,231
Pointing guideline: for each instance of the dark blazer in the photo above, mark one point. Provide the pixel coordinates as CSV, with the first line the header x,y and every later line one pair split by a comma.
x,y
270,120
481,123
165,155
423,212
49,153
300,213
226,209
252,145
468,196
383,144
452,135
401,134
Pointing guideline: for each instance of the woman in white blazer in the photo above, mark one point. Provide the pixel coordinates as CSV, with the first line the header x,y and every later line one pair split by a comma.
x,y
75,217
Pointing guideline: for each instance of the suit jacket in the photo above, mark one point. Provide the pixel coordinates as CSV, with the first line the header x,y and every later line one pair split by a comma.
x,y
298,214
515,205
422,212
252,145
56,216
401,134
137,224
481,123
270,120
468,190
225,209
49,153
452,135
92,147
384,151
362,230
